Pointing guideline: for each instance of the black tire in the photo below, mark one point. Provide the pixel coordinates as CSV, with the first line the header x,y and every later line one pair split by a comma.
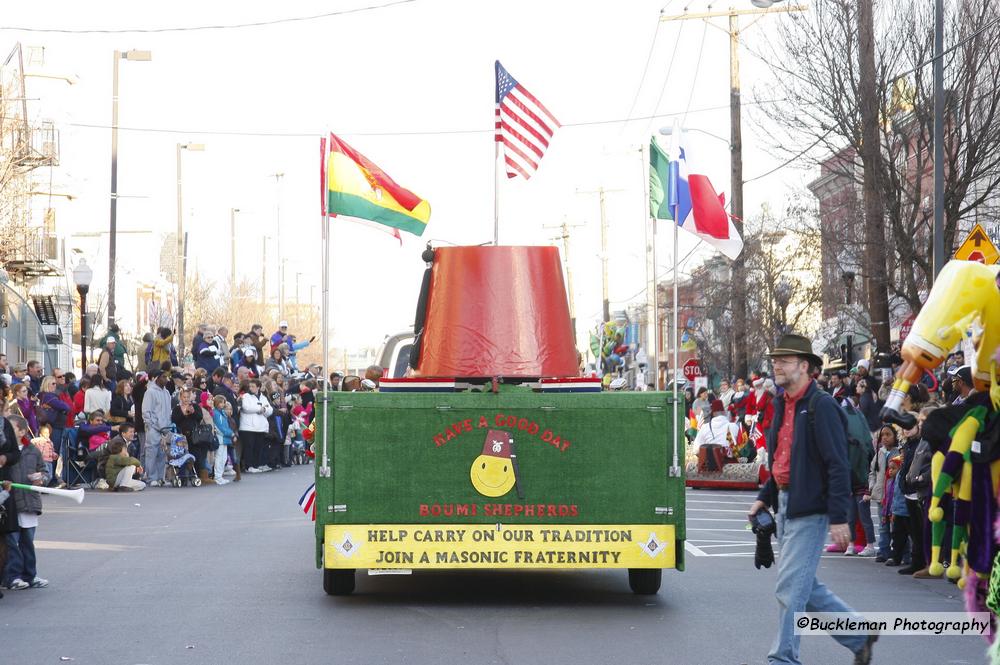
x,y
645,581
337,582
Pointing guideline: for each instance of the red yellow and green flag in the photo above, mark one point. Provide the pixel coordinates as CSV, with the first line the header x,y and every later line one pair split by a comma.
x,y
357,187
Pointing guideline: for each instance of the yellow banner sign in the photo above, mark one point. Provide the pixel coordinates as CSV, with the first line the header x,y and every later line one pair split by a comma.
x,y
499,546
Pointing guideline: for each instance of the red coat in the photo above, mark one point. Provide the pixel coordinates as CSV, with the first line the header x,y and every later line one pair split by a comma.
x,y
763,408
71,414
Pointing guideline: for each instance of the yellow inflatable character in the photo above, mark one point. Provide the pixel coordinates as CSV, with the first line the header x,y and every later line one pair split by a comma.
x,y
963,292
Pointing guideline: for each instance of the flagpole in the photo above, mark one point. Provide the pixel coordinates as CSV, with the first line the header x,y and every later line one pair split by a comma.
x,y
652,332
675,468
496,193
324,470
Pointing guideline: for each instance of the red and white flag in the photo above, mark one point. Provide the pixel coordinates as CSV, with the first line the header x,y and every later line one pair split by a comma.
x,y
524,127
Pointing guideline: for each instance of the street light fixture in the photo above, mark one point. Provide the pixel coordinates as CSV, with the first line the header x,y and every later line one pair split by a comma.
x,y
137,56
82,276
668,131
181,254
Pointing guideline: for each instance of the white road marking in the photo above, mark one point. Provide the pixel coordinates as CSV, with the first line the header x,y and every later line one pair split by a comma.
x,y
82,547
717,530
694,549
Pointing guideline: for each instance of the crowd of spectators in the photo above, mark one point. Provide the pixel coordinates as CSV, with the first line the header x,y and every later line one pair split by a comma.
x,y
240,405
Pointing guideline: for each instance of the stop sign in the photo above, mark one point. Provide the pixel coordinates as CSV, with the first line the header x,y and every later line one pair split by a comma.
x,y
977,256
693,369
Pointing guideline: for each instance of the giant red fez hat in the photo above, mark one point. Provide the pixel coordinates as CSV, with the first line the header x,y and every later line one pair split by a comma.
x,y
497,311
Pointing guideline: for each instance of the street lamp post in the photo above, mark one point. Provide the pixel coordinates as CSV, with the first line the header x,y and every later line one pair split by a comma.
x,y
82,276
181,258
142,56
782,295
232,248
848,278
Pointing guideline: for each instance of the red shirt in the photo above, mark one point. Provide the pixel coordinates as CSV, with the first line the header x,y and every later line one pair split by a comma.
x,y
781,468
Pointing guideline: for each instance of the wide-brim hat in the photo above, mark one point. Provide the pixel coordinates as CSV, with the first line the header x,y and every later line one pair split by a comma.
x,y
795,345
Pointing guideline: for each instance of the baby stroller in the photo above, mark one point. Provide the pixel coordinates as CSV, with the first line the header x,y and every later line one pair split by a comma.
x,y
180,463
297,444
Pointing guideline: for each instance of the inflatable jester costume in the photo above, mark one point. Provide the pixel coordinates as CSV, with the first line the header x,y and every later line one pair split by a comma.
x,y
965,439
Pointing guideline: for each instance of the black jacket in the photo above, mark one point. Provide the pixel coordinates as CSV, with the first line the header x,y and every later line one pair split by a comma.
x,y
820,472
9,449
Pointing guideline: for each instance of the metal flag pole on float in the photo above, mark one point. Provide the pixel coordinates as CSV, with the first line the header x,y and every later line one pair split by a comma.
x,y
675,151
324,469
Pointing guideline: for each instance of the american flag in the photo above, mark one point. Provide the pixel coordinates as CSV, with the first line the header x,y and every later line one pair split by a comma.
x,y
524,126
307,502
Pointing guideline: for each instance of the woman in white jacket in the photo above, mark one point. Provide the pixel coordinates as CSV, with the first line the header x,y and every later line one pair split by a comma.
x,y
97,397
254,412
715,439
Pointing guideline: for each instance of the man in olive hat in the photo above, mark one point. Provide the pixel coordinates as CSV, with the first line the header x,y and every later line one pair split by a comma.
x,y
811,489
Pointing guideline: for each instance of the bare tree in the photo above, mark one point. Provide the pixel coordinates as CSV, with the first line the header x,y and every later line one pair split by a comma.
x,y
783,286
817,78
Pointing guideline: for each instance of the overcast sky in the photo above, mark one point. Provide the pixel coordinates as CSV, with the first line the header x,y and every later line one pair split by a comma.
x,y
411,87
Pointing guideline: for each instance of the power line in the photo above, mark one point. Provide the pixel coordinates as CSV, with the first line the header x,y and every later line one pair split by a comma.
x,y
951,48
438,132
666,79
231,26
642,79
697,66
791,159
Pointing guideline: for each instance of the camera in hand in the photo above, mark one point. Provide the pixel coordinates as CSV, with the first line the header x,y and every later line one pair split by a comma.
x,y
762,522
763,525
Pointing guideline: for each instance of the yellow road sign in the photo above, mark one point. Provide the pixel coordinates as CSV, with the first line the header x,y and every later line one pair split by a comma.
x,y
978,247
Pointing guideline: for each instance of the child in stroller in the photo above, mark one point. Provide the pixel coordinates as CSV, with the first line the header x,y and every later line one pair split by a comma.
x,y
293,439
180,463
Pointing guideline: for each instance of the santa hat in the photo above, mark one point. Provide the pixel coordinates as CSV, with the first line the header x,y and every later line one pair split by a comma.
x,y
758,382
497,443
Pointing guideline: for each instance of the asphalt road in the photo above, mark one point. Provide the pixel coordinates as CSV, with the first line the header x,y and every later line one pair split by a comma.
x,y
225,575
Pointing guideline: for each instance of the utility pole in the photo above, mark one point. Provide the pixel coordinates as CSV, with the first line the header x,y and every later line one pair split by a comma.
x,y
939,257
232,248
569,272
605,303
739,299
871,156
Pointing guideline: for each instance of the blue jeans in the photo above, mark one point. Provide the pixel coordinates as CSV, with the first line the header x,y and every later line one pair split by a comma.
x,y
20,556
861,510
801,540
884,533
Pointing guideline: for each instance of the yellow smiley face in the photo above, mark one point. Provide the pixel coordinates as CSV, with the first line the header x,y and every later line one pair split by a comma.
x,y
492,476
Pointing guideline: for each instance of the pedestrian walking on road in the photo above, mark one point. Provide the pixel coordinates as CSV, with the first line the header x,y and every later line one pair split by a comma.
x,y
810,487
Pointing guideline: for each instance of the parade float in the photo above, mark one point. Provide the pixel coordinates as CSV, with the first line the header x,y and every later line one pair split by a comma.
x,y
493,453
